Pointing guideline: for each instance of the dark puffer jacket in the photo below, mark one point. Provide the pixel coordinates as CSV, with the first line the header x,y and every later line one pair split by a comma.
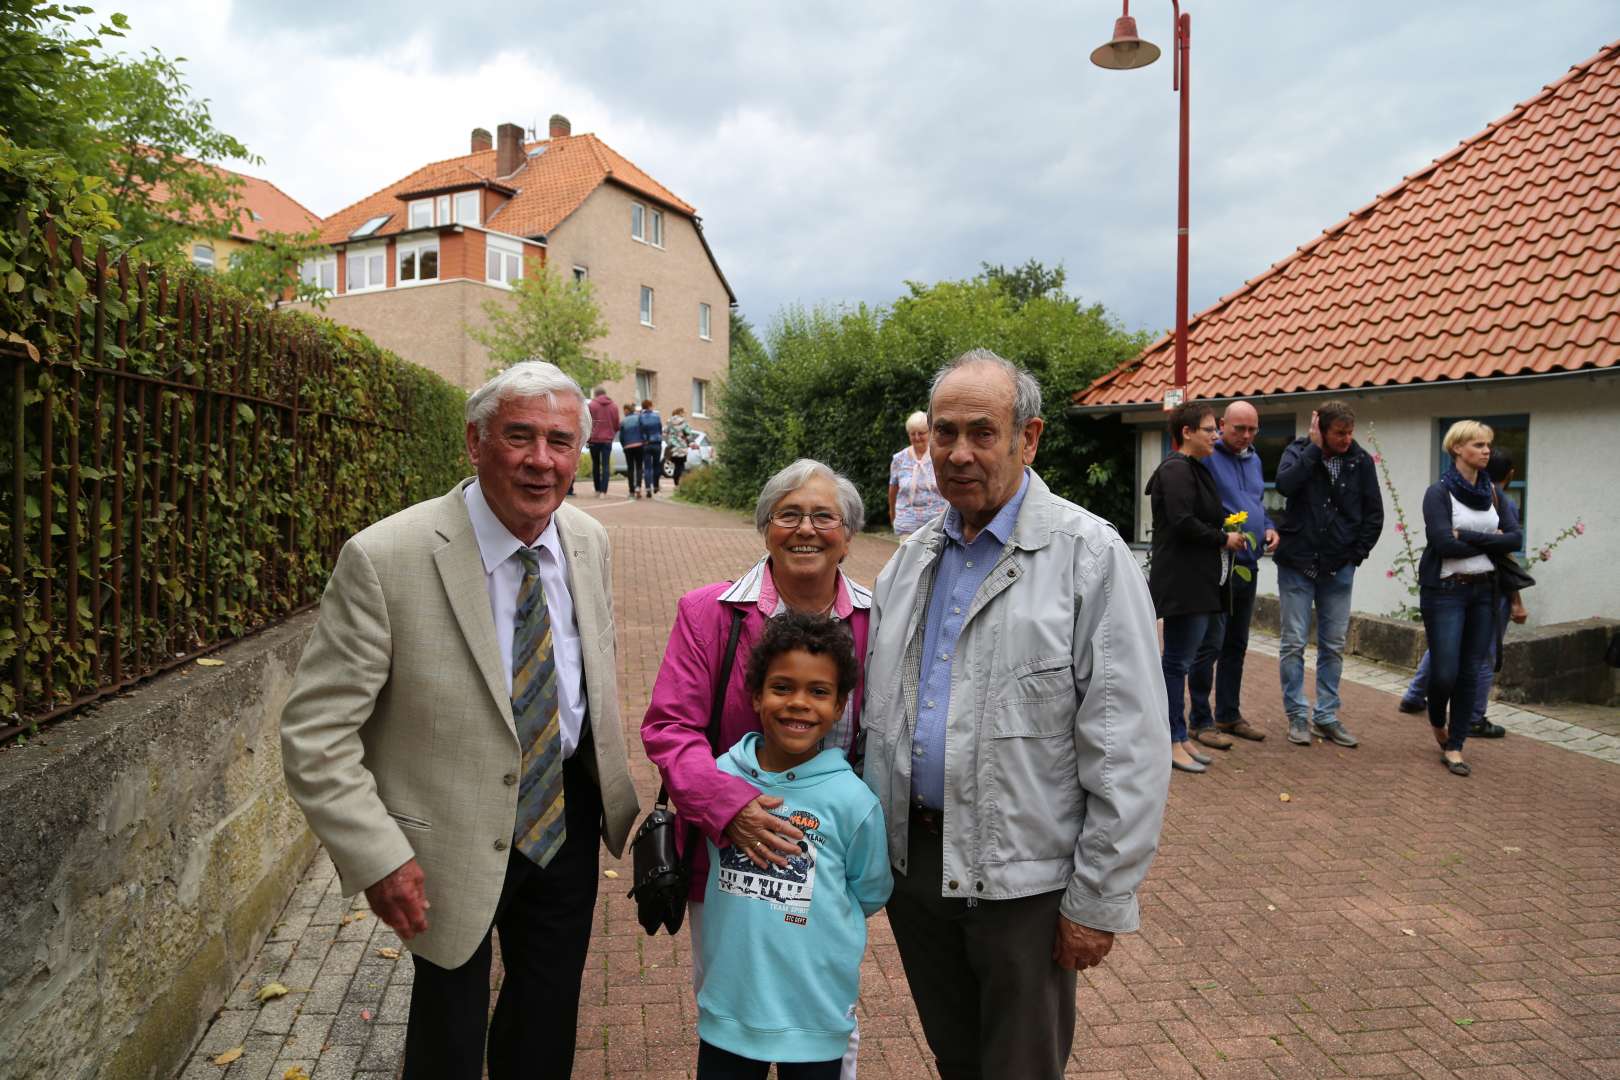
x,y
1185,573
1327,523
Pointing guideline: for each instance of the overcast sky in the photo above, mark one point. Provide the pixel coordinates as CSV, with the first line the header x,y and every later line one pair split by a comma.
x,y
836,150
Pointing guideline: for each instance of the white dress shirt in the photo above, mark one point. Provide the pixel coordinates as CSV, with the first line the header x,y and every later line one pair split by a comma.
x,y
503,575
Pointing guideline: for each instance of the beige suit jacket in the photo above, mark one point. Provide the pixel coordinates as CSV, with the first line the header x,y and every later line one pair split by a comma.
x,y
398,740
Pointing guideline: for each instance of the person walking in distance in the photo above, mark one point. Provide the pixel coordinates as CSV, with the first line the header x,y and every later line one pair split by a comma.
x,y
604,426
1333,517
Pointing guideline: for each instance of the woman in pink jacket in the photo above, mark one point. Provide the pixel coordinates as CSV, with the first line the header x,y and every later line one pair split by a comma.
x,y
807,514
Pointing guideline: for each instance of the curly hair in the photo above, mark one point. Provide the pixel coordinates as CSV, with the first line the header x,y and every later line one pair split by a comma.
x,y
817,635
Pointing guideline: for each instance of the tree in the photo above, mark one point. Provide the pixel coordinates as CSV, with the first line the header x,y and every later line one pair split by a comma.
x,y
129,120
270,269
1032,281
555,318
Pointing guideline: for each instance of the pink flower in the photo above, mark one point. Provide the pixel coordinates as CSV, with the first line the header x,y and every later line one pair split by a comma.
x,y
1389,573
1580,529
1378,459
1546,553
1400,526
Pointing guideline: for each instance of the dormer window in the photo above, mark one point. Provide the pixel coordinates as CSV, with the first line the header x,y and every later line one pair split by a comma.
x,y
467,207
462,208
421,214
646,225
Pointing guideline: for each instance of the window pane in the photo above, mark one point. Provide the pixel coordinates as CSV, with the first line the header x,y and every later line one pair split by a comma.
x,y
329,276
407,265
635,220
467,208
658,227
514,268
377,276
703,320
492,265
308,272
699,392
644,385
429,268
444,209
421,213
357,272
580,273
646,305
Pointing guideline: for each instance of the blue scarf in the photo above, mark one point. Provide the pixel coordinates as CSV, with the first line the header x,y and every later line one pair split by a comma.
x,y
1475,496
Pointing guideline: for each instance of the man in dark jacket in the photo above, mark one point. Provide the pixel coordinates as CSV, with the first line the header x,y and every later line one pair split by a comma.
x,y
1333,517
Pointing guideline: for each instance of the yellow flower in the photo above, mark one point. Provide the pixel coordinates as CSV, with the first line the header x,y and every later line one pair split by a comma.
x,y
1238,518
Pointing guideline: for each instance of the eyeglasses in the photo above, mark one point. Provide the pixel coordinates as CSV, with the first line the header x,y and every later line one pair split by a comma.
x,y
1209,430
1243,429
820,520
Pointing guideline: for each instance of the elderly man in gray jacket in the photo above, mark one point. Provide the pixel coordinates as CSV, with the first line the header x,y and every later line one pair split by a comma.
x,y
1015,737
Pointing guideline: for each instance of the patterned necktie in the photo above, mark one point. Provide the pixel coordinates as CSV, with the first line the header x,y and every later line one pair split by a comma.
x,y
539,831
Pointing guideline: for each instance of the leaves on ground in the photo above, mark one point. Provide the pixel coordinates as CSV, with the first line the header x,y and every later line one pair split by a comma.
x,y
295,1073
1463,1021
611,875
1285,797
389,953
271,991
1408,933
209,661
229,1056
353,916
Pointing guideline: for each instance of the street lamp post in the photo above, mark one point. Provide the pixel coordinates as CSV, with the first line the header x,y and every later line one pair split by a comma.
x,y
1126,51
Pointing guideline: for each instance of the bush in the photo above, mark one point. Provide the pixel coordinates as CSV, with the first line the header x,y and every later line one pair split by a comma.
x,y
703,487
838,384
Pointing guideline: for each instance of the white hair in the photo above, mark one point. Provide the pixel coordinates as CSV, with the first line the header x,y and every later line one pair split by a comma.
x,y
525,379
918,421
795,476
1026,390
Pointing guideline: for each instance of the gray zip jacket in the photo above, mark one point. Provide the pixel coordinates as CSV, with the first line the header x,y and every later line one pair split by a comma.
x,y
1057,758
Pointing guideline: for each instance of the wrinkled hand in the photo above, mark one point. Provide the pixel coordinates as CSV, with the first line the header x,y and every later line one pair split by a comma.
x,y
761,835
1272,540
1236,541
400,900
1079,947
1316,429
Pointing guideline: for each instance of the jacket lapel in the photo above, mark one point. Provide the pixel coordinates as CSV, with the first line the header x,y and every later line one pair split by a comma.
x,y
461,569
584,582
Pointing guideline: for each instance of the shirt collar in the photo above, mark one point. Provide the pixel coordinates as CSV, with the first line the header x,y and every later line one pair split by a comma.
x,y
757,587
496,543
1001,526
1241,455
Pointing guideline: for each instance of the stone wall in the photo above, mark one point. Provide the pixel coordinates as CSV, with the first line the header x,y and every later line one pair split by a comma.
x,y
1556,662
146,850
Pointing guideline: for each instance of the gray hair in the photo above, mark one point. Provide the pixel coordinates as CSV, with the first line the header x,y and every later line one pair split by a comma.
x,y
918,419
525,379
1026,390
794,477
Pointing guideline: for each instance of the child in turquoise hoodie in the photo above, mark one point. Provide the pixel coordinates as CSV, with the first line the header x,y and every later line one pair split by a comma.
x,y
782,945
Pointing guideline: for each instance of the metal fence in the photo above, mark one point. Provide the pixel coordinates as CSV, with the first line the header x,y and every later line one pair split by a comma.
x,y
184,466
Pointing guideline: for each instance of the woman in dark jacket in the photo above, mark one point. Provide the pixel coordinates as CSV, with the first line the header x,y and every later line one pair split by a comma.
x,y
1191,571
1457,586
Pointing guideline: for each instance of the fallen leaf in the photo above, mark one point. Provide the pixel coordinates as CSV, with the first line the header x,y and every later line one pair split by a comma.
x,y
1285,797
1271,907
1463,1021
611,875
209,661
389,953
230,1055
1512,849
272,991
359,915
1408,933
295,1073
365,1014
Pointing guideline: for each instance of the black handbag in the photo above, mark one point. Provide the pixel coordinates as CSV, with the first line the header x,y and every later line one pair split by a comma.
x,y
661,877
1511,576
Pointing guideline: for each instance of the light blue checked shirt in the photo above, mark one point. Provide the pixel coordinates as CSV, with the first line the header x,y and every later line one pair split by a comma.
x,y
962,569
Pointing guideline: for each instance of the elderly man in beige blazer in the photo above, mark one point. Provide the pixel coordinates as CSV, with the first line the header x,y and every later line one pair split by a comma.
x,y
453,734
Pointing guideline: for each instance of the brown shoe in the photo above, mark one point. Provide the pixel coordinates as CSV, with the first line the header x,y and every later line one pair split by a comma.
x,y
1211,737
1243,730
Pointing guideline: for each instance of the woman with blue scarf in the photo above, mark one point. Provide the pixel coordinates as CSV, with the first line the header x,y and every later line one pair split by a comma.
x,y
1457,582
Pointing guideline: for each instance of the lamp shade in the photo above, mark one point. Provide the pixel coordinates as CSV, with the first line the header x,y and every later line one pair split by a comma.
x,y
1126,50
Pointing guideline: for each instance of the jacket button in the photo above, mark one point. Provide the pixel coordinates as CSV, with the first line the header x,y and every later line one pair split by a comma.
x,y
500,845
509,779
978,886
953,886
902,864
790,776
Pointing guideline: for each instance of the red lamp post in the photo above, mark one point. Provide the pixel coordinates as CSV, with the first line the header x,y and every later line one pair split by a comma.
x,y
1126,51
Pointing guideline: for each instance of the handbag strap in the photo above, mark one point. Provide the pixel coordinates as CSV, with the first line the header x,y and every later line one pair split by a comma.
x,y
718,703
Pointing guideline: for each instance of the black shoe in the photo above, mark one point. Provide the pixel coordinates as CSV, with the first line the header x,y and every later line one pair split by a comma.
x,y
1484,729
1411,705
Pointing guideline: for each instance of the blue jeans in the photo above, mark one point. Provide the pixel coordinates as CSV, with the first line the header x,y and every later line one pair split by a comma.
x,y
1417,691
1220,661
601,464
1459,619
1296,593
652,465
1184,637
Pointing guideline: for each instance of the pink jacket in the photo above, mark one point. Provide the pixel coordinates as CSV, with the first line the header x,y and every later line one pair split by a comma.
x,y
674,729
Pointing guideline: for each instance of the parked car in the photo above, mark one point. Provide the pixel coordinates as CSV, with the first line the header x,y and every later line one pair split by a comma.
x,y
697,456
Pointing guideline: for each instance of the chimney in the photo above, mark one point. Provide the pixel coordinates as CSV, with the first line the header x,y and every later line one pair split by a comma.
x,y
482,140
560,127
508,149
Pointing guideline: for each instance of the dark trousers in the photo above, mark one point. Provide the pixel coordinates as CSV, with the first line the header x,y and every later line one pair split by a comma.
x,y
992,1001
717,1064
652,465
601,464
1220,661
1460,622
544,920
677,466
632,466
1185,636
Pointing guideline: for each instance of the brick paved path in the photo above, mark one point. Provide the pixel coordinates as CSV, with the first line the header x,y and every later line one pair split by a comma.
x,y
1389,919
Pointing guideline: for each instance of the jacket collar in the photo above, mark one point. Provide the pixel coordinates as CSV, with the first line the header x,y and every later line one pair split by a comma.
x,y
757,588
1032,530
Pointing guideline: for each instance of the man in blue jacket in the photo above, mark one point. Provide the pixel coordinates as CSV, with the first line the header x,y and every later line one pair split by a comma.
x,y
1242,488
1332,519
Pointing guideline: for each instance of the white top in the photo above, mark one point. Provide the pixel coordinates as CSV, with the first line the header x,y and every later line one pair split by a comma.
x,y
1464,519
503,575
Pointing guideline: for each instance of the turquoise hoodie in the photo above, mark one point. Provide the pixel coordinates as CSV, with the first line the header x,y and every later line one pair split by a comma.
x,y
782,950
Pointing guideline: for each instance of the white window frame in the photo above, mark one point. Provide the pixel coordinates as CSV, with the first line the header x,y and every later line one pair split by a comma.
x,y
700,397
365,255
312,270
202,257
477,207
411,213
638,222
647,306
655,231
646,385
705,321
581,273
416,248
441,209
509,261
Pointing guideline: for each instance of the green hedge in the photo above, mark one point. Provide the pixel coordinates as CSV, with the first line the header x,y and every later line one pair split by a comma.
x,y
838,384
184,463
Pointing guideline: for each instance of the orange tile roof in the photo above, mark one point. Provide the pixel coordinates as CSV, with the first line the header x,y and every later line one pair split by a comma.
x,y
262,207
549,187
1500,258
